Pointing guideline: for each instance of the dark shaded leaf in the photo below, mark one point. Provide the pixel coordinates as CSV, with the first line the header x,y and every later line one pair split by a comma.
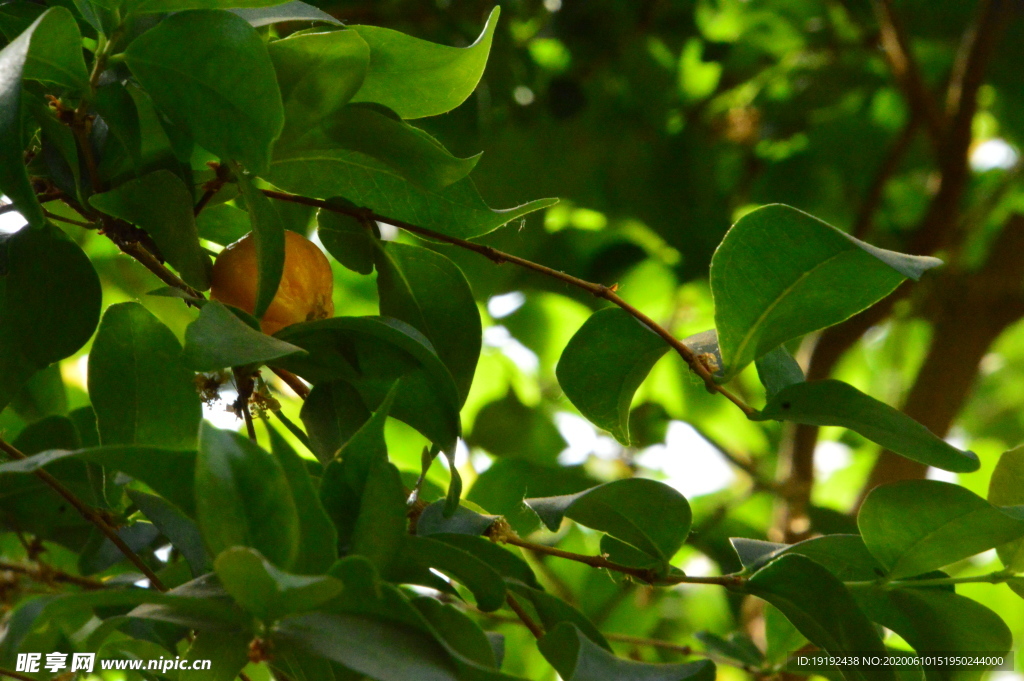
x,y
296,10
141,389
332,414
180,530
577,658
778,370
372,353
49,301
810,597
222,89
269,239
243,498
347,239
218,339
161,204
429,292
318,538
267,592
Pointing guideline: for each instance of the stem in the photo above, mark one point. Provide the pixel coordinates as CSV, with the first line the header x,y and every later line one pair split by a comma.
x,y
499,257
91,515
653,642
46,574
293,429
504,534
77,223
293,382
990,578
16,675
517,608
245,384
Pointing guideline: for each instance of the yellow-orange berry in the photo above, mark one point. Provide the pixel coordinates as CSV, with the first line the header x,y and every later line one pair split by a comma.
x,y
306,283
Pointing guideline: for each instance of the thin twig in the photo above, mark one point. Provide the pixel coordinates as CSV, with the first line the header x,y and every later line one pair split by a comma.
x,y
16,675
77,223
896,46
524,617
89,514
499,257
890,164
293,429
293,382
652,642
500,532
46,574
245,384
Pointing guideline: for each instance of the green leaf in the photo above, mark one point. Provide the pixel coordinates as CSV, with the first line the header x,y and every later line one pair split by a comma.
x,y
372,353
376,133
155,6
577,658
13,175
380,529
346,238
223,224
623,509
289,11
481,579
180,530
778,370
55,56
43,395
834,403
506,560
553,611
332,414
168,472
508,428
318,538
227,652
161,204
320,168
780,273
142,391
318,74
118,110
463,521
430,293
370,646
458,631
267,592
1006,488
222,89
218,339
603,365
915,526
416,78
811,598
268,234
49,302
243,498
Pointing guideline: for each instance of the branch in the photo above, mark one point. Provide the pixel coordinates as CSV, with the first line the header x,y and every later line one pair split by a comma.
x,y
890,164
896,46
245,384
524,616
16,675
293,382
46,574
499,257
89,514
502,533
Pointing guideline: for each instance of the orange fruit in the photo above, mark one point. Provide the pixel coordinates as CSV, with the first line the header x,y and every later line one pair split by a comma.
x,y
306,283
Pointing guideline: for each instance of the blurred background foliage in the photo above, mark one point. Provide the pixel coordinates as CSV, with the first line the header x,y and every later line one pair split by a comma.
x,y
658,123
